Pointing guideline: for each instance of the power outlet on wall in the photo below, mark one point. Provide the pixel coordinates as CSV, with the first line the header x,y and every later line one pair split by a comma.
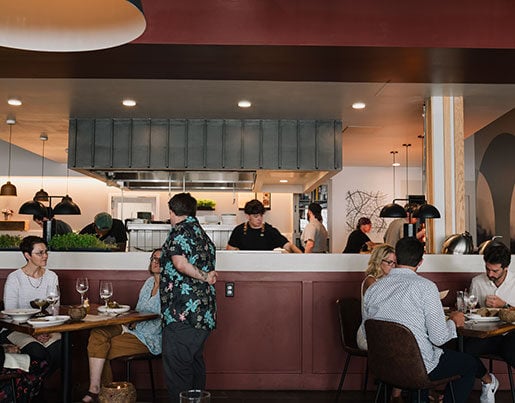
x,y
229,289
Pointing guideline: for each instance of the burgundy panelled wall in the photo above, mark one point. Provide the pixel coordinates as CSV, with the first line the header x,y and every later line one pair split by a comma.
x,y
279,331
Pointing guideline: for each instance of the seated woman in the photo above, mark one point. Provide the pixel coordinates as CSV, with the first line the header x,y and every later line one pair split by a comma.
x,y
28,385
380,263
24,285
110,342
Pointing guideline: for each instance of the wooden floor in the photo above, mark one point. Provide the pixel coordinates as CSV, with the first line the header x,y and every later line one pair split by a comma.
x,y
291,397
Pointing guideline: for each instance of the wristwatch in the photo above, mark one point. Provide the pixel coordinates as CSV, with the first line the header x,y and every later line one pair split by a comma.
x,y
506,305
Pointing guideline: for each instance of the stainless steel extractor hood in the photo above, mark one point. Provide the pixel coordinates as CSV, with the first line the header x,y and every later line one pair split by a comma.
x,y
181,180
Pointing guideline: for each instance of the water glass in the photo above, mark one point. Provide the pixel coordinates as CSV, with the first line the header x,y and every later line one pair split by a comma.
x,y
195,396
52,296
106,291
460,301
82,286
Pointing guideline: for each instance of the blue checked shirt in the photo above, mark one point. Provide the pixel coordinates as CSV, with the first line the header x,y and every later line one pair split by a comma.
x,y
405,297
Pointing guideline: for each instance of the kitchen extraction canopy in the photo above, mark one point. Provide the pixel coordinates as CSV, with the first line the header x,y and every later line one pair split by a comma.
x,y
182,180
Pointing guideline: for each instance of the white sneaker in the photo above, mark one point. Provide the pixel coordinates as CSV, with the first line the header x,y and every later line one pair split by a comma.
x,y
488,390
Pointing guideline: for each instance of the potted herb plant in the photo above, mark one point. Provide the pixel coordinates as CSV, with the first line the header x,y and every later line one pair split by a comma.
x,y
78,242
10,242
206,204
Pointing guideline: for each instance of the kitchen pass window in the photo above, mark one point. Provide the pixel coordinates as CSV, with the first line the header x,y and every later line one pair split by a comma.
x,y
129,207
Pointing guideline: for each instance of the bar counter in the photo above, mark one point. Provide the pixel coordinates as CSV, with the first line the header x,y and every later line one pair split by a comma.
x,y
247,261
280,329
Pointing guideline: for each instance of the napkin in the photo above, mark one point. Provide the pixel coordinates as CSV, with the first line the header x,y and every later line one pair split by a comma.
x,y
17,361
443,294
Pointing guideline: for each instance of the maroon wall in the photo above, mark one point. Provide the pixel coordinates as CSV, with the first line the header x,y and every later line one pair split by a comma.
x,y
279,331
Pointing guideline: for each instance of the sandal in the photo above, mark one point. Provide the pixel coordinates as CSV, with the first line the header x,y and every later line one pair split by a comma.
x,y
93,397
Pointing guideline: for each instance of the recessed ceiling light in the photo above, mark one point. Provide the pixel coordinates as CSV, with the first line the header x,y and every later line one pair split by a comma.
x,y
244,104
396,164
14,102
129,102
283,180
358,105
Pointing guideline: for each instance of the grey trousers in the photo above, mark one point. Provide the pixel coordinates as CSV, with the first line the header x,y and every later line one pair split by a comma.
x,y
183,360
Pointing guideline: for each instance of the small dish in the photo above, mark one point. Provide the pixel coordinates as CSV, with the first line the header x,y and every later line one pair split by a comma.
x,y
120,309
48,321
479,318
20,315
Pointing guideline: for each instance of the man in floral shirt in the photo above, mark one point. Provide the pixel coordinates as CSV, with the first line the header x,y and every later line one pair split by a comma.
x,y
188,300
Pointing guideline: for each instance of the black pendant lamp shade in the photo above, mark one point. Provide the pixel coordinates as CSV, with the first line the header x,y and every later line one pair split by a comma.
x,y
8,189
426,211
393,210
41,195
32,207
66,207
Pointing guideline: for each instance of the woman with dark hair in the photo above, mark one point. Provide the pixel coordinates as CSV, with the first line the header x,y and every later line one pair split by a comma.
x,y
24,285
110,342
314,235
358,240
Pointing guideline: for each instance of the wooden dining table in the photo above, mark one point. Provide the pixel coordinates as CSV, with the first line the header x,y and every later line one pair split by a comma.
x,y
483,330
93,320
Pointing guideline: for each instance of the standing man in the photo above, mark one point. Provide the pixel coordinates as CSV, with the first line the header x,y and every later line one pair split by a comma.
x,y
405,297
188,300
314,235
256,234
58,227
495,289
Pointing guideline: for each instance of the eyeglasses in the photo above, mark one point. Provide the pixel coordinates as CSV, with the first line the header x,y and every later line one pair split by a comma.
x,y
390,262
41,253
155,259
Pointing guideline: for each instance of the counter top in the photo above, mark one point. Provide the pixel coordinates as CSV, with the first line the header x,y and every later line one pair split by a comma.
x,y
248,261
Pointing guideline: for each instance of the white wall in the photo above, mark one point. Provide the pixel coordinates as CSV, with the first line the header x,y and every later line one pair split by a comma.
x,y
371,180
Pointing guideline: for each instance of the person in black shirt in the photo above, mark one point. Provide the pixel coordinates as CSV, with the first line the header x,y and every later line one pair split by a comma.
x,y
255,234
358,240
108,229
58,227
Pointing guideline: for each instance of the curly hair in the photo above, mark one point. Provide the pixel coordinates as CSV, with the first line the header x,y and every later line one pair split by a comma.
x,y
379,253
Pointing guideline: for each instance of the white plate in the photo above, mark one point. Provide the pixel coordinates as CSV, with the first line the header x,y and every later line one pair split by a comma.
x,y
121,309
21,314
479,318
48,321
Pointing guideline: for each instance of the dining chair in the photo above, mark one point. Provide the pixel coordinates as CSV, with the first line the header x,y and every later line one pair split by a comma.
x,y
495,357
349,315
395,359
128,359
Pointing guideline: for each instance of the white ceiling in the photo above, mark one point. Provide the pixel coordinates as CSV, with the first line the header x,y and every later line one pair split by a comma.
x,y
393,115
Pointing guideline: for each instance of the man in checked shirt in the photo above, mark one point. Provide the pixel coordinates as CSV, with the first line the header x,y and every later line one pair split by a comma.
x,y
405,297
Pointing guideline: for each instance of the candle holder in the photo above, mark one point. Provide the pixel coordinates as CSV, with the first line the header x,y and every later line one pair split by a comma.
x,y
117,392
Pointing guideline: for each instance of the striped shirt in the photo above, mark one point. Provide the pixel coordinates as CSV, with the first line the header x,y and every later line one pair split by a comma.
x,y
405,297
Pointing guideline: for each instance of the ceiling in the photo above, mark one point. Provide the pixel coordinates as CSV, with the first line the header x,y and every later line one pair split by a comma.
x,y
283,81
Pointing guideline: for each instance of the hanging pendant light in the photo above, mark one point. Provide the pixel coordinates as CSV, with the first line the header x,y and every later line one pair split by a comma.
x,y
393,210
70,25
41,195
8,189
66,206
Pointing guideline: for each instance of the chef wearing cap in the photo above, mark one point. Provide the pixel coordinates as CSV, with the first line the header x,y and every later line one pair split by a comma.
x,y
108,229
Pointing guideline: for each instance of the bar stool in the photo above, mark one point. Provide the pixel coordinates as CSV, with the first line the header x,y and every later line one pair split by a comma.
x,y
128,359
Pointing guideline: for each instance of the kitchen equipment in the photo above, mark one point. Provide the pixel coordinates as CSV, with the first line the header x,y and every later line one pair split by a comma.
x,y
458,244
212,219
228,219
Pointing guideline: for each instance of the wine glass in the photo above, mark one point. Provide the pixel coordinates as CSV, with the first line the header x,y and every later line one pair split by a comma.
x,y
40,303
52,296
82,286
471,303
106,291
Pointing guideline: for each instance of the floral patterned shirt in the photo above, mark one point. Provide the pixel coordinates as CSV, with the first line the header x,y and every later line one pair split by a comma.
x,y
183,298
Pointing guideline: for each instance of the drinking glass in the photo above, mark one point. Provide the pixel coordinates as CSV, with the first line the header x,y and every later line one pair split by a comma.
x,y
460,301
52,296
195,396
82,286
106,291
40,303
472,301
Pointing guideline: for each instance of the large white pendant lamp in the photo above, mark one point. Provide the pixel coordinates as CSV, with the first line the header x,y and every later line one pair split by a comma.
x,y
69,25
8,189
